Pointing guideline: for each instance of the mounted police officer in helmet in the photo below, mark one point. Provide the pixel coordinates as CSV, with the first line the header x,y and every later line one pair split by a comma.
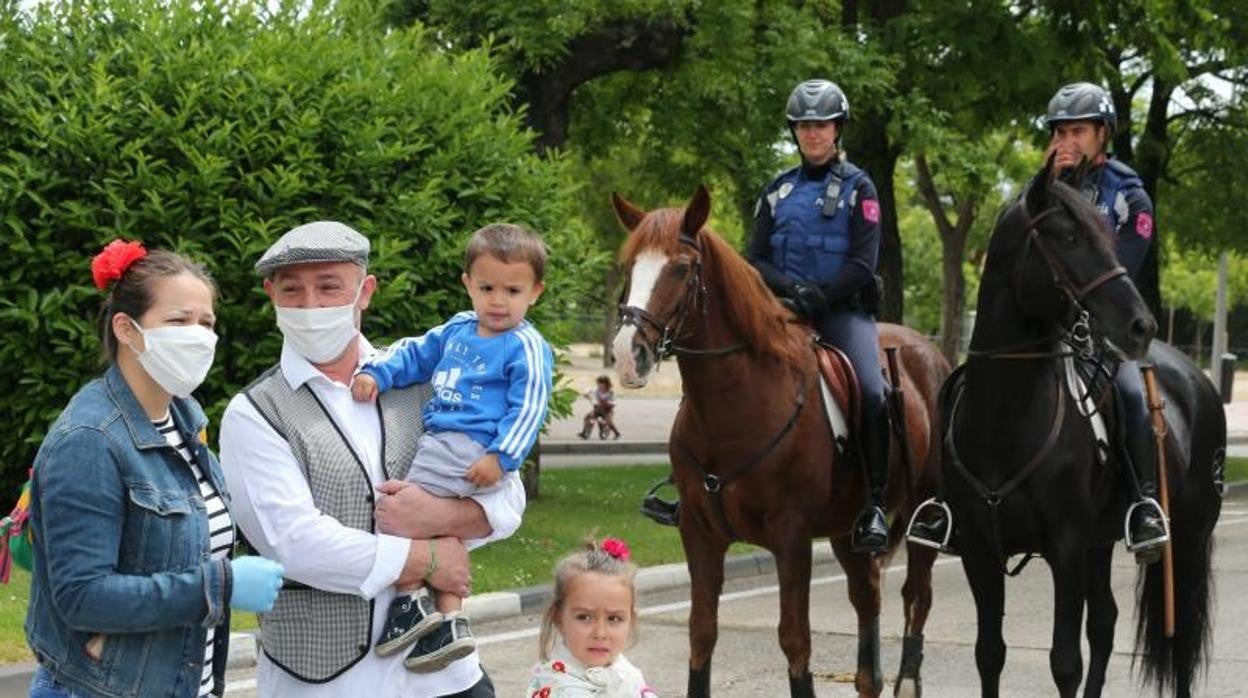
x,y
816,241
1081,121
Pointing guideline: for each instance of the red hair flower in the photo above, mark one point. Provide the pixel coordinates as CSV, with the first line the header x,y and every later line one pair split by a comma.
x,y
616,548
114,260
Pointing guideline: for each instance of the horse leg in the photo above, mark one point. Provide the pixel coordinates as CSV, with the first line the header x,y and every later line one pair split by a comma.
x,y
862,577
1069,566
793,570
987,580
704,555
1102,614
916,594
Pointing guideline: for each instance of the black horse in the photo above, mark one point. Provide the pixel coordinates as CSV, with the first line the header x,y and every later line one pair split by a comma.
x,y
1022,465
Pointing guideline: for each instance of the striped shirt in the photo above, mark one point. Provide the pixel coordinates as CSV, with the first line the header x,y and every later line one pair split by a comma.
x,y
220,526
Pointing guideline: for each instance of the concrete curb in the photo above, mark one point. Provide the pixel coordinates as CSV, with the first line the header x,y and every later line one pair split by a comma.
x,y
599,447
498,605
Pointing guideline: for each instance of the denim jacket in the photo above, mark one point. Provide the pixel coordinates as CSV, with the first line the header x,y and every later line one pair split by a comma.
x,y
124,587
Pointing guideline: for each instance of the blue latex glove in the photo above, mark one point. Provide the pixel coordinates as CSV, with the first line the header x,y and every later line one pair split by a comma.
x,y
256,583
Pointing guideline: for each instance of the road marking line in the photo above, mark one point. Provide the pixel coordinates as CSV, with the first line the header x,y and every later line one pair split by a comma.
x,y
248,684
678,605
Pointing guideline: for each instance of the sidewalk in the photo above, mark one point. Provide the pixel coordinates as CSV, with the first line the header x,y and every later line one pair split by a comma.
x,y
644,417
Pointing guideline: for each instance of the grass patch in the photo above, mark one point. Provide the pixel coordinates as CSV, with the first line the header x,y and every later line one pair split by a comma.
x,y
574,501
1236,469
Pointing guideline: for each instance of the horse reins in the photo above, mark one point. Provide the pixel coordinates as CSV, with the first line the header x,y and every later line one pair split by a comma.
x,y
1080,340
994,497
714,484
667,332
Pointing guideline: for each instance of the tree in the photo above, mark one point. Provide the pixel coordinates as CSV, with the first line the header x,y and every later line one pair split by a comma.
x,y
1162,55
554,47
213,127
974,173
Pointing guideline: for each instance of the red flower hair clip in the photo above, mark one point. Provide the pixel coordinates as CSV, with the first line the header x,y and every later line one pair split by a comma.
x,y
616,548
114,260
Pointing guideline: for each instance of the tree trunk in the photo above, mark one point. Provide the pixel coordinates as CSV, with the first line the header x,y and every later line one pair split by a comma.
x,y
952,249
1151,156
632,44
871,149
609,315
873,152
531,472
952,300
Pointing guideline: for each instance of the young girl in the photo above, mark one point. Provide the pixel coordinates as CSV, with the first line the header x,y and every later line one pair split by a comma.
x,y
594,611
604,407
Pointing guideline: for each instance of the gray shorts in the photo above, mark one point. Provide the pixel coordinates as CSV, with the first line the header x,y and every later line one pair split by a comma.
x,y
441,461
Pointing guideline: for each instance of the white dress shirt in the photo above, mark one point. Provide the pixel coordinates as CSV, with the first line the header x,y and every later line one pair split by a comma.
x,y
272,504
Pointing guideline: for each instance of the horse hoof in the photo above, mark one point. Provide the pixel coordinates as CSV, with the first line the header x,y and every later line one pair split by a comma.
x,y
908,688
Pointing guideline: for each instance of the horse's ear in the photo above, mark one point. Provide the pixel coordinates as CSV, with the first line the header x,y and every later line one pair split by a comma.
x,y
1038,192
696,213
629,215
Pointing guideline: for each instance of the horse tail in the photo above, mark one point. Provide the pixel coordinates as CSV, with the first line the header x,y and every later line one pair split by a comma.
x,y
1170,664
1195,416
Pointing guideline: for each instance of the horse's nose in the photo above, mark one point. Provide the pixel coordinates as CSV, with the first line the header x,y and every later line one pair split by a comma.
x,y
642,359
1143,328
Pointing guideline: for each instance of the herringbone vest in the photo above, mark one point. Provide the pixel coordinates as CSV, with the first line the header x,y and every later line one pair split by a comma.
x,y
316,635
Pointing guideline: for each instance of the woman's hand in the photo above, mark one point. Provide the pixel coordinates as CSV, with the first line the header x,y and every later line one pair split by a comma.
x,y
256,583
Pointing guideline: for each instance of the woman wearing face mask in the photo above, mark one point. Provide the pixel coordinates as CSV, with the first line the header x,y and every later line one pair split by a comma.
x,y
132,581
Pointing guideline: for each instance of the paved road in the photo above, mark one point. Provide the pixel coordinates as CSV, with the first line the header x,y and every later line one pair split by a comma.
x,y
749,662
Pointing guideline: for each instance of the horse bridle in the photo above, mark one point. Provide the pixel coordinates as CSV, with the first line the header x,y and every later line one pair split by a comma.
x,y
670,330
1078,332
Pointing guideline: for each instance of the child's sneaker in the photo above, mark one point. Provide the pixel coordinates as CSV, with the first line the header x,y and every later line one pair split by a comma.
x,y
411,616
450,641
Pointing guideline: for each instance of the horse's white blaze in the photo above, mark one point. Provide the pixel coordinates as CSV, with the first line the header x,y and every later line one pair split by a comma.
x,y
646,269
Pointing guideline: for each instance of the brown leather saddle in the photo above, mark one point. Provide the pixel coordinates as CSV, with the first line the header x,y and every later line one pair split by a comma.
x,y
842,382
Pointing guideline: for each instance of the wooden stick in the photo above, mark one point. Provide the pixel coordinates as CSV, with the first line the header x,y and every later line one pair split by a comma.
x,y
1155,406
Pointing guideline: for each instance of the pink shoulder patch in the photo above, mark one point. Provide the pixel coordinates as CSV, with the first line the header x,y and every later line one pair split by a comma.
x,y
1144,225
871,210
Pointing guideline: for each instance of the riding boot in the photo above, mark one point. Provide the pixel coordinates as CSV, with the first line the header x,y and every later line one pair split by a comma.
x,y
1146,528
870,532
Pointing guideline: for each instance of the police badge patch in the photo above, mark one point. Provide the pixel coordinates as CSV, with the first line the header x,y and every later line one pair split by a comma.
x,y
785,189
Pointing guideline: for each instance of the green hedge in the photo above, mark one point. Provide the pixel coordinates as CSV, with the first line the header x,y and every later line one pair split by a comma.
x,y
211,128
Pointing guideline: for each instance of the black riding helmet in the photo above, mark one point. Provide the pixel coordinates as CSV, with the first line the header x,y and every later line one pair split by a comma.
x,y
1082,101
817,100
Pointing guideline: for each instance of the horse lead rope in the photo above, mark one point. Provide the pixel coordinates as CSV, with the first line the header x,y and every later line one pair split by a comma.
x,y
993,498
714,484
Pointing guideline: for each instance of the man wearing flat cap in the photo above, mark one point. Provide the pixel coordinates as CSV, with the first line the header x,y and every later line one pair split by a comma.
x,y
315,480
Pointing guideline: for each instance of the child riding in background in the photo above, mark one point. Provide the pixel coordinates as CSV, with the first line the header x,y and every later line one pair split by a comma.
x,y
603,398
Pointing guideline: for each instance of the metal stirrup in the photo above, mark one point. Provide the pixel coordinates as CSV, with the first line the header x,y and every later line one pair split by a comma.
x,y
1138,545
943,545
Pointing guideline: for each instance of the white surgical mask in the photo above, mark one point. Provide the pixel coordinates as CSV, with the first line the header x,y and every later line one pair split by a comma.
x,y
177,357
319,335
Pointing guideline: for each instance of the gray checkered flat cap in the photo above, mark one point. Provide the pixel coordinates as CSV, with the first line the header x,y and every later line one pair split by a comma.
x,y
322,241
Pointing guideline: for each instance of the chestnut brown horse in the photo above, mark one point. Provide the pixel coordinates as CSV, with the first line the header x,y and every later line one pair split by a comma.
x,y
749,462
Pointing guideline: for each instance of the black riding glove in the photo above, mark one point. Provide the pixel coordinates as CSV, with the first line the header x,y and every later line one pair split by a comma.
x,y
808,300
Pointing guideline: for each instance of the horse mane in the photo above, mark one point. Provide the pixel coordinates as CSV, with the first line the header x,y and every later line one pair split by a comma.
x,y
1084,213
749,306
1016,214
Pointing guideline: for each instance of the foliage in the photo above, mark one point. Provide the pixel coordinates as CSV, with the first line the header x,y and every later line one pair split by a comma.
x,y
1204,193
213,127
1190,280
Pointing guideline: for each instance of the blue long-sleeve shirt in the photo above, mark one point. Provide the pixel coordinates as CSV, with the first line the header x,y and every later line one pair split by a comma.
x,y
493,389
